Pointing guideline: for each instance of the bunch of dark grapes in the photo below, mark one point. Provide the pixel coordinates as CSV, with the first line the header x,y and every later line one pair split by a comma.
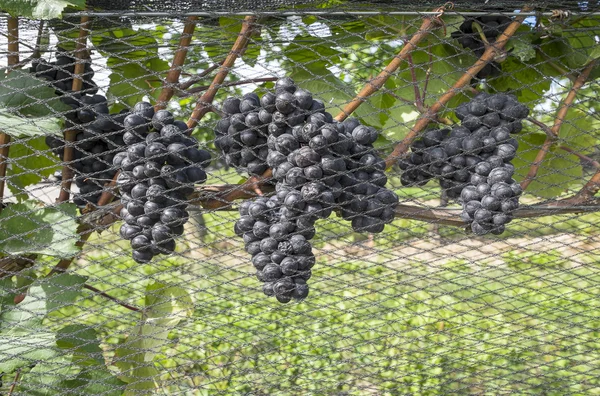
x,y
469,37
157,172
242,135
462,158
319,165
99,137
490,199
60,73
279,247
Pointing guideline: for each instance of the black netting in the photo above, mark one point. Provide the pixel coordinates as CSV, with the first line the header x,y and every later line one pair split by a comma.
x,y
397,201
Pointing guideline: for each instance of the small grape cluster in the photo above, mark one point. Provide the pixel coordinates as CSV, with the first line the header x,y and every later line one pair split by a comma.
x,y
248,123
490,199
60,73
157,172
99,137
466,154
279,246
319,165
470,37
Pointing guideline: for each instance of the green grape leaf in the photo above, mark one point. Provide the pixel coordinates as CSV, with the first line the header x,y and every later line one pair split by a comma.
x,y
29,161
347,34
125,43
131,81
82,342
45,295
18,350
578,131
26,229
95,381
23,94
385,26
80,366
40,9
165,307
323,85
7,293
46,377
18,127
311,54
452,23
524,79
556,173
399,122
521,45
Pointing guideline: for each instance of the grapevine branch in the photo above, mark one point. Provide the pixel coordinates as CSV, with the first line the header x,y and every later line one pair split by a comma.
x,y
69,150
221,197
553,134
178,60
198,77
462,82
204,102
108,296
548,131
13,59
374,85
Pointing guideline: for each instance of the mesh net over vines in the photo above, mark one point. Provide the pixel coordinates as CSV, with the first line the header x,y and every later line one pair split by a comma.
x,y
131,263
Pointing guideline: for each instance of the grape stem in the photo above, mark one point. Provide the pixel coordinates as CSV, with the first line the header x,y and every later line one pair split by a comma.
x,y
582,157
427,75
552,134
14,383
377,83
199,77
172,78
70,134
13,59
477,27
192,91
462,82
418,101
203,103
548,131
108,296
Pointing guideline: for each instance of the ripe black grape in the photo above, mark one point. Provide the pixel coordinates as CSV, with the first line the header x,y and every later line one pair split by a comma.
x,y
156,175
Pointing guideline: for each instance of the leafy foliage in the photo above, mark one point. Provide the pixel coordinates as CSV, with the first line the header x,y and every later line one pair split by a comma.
x,y
26,228
29,163
40,9
165,307
71,354
22,94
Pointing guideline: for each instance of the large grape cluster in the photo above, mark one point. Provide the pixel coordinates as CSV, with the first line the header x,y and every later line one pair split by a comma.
x,y
466,154
99,137
60,73
243,133
469,37
157,172
319,165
